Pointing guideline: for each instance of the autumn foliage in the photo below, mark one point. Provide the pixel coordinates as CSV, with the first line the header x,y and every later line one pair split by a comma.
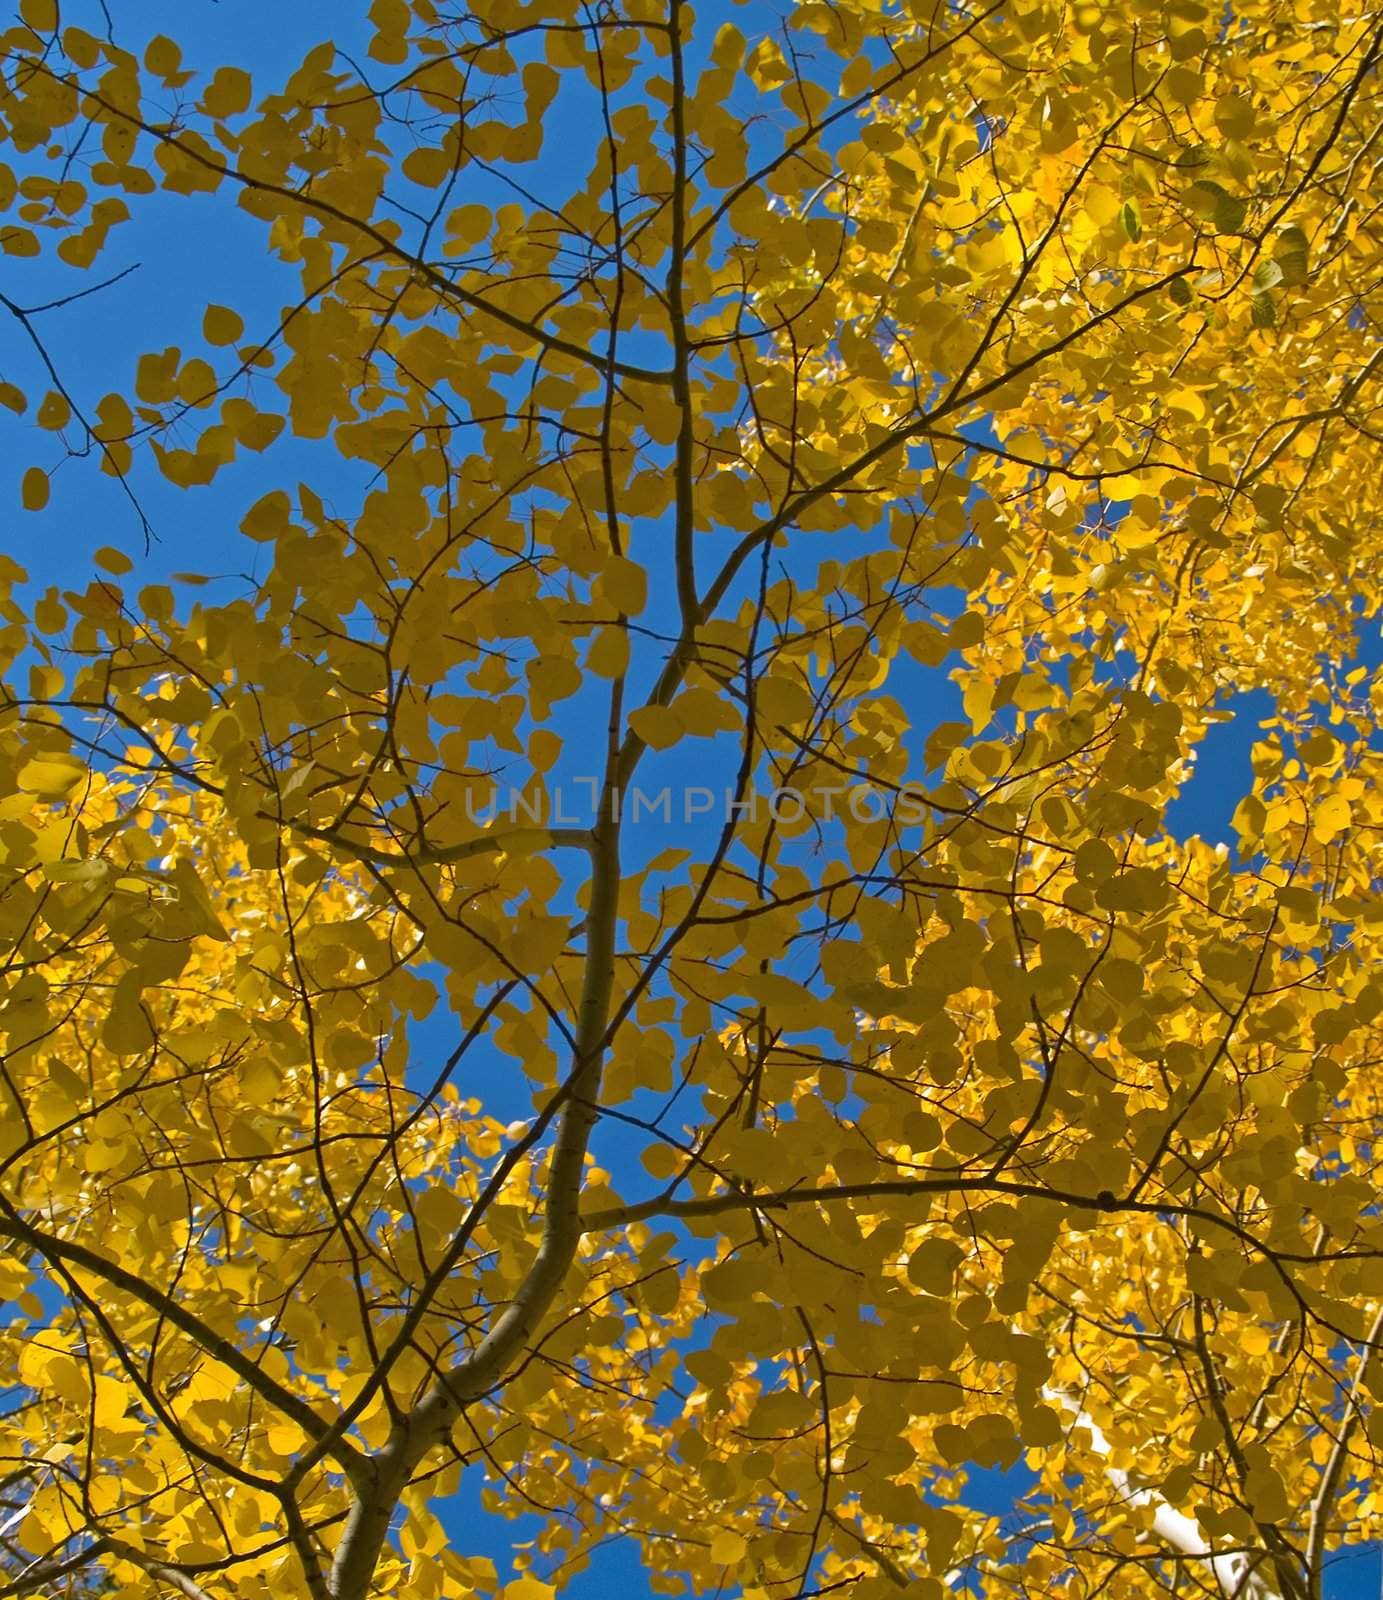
x,y
908,429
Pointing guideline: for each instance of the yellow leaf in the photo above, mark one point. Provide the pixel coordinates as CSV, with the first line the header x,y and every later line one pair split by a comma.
x,y
51,776
1332,817
608,656
41,15
54,411
228,92
112,1400
933,1264
221,325
658,726
162,56
260,1081
624,585
783,700
727,1547
42,1365
978,701
34,492
113,560
267,518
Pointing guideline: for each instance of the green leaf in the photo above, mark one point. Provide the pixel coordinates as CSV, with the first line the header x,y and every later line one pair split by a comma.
x,y
1211,200
1291,254
1266,275
1133,223
1230,212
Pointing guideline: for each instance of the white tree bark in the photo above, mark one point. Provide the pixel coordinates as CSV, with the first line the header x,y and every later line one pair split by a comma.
x,y
1238,1575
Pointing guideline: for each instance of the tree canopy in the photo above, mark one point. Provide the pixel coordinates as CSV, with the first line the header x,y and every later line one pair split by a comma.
x,y
784,499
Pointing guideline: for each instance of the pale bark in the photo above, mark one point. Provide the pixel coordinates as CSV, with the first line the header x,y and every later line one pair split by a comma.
x,y
1239,1576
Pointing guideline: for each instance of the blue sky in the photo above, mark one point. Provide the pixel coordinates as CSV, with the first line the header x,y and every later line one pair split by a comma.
x,y
188,253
